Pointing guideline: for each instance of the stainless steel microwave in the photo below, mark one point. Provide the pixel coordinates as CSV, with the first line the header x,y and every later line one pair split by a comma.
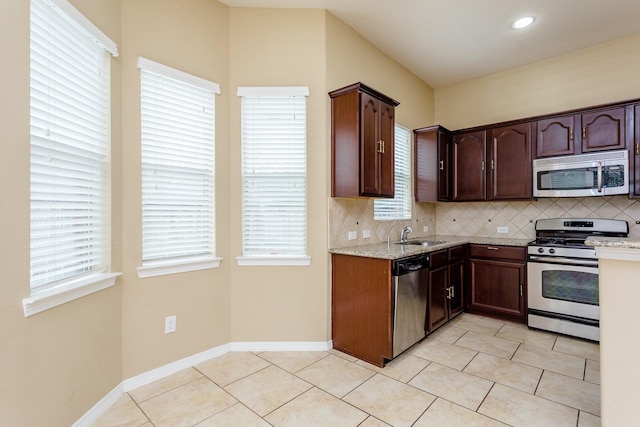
x,y
596,174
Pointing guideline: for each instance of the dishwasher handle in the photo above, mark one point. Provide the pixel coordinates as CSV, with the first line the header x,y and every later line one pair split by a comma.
x,y
409,265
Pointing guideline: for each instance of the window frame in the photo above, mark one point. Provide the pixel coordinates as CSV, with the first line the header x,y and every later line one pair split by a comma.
x,y
165,265
274,259
74,29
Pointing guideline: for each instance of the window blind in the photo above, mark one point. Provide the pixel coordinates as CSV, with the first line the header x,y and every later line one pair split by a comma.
x,y
178,191
400,206
69,140
274,177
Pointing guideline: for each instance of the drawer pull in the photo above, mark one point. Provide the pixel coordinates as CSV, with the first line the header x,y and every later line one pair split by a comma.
x,y
493,248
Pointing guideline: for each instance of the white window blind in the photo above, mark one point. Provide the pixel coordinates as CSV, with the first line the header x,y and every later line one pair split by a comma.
x,y
274,171
178,189
400,206
70,135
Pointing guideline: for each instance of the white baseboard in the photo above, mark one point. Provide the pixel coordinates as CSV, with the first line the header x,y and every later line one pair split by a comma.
x,y
92,415
164,371
173,367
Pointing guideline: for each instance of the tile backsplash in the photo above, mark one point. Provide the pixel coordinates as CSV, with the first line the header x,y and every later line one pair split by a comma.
x,y
479,219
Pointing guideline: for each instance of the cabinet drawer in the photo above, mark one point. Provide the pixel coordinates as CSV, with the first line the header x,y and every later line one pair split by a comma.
x,y
456,254
438,259
515,253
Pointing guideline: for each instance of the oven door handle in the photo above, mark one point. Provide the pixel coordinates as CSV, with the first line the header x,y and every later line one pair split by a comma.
x,y
560,260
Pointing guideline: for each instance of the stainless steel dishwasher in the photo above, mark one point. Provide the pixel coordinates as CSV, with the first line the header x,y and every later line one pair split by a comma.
x,y
410,287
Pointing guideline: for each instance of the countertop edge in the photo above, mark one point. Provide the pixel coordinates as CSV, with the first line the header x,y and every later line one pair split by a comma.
x,y
396,250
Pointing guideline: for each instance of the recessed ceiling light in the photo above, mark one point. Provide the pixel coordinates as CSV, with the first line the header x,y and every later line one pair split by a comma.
x,y
523,22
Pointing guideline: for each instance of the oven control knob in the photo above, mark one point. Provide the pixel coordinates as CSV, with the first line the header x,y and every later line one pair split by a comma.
x,y
540,250
552,251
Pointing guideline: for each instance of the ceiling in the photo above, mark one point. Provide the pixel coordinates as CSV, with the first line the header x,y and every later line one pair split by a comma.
x,y
449,41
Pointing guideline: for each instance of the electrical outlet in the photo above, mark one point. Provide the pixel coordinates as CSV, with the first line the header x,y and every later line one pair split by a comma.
x,y
169,324
366,234
425,229
353,235
503,230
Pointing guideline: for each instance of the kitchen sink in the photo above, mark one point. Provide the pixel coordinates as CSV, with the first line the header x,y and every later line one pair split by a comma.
x,y
422,242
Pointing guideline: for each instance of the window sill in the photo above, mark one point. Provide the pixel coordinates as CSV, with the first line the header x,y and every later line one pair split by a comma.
x,y
69,291
163,268
274,260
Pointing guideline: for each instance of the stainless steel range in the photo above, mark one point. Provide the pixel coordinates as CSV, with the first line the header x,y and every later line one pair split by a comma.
x,y
562,275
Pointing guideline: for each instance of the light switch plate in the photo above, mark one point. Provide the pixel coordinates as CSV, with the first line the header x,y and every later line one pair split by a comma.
x,y
352,235
503,230
366,234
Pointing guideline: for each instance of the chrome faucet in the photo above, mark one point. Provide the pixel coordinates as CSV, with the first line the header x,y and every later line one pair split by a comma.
x,y
403,234
389,233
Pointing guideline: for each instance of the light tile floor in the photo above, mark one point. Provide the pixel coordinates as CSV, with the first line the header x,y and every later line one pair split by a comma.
x,y
474,371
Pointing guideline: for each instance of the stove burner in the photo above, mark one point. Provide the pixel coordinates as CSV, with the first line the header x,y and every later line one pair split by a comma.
x,y
559,241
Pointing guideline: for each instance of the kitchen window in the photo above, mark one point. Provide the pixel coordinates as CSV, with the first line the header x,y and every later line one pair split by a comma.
x,y
400,206
69,159
178,185
274,176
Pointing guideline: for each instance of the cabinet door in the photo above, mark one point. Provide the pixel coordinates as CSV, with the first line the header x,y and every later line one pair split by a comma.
x,y
497,287
387,160
437,310
555,136
603,130
456,282
425,175
634,162
468,161
510,174
369,145
444,166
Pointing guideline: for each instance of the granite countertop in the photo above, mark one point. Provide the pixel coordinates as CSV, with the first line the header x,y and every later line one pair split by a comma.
x,y
612,242
397,251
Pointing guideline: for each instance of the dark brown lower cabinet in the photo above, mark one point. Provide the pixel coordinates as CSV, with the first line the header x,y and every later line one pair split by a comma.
x,y
497,281
362,307
446,279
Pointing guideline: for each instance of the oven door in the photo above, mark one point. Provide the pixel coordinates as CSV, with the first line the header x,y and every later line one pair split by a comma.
x,y
563,287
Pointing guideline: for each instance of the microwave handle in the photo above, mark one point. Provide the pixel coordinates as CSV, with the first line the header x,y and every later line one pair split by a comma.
x,y
599,177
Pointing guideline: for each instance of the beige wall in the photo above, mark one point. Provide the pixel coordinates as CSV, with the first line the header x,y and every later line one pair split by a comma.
x,y
351,58
192,37
281,48
600,74
55,365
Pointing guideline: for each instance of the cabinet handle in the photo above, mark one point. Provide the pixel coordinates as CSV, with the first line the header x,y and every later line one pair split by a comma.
x,y
442,161
521,289
493,248
492,165
571,134
381,146
453,292
584,133
482,165
637,148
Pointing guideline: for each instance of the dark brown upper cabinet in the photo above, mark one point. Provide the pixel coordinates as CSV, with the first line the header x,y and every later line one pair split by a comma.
x,y
510,158
431,168
468,162
495,169
583,132
362,135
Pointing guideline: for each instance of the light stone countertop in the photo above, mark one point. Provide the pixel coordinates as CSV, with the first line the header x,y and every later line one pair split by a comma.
x,y
612,242
397,251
